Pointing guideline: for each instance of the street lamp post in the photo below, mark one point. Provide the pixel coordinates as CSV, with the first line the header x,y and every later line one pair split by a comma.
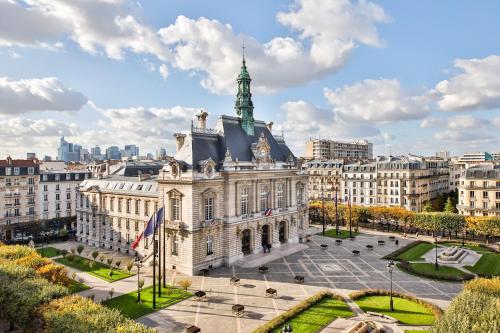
x,y
390,267
436,242
323,204
138,264
336,208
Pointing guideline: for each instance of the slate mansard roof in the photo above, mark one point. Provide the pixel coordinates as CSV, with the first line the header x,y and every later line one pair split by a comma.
x,y
201,145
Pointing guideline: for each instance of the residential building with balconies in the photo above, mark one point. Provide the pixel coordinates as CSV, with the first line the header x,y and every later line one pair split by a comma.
x,y
479,191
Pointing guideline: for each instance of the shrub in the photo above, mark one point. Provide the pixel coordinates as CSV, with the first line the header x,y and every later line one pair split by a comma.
x,y
101,258
77,314
486,286
471,312
405,266
13,252
129,266
394,255
79,249
302,306
64,253
54,273
382,292
184,283
117,264
95,254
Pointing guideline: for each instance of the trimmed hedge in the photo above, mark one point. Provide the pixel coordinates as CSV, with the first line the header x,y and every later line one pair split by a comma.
x,y
382,292
485,286
394,255
406,267
302,306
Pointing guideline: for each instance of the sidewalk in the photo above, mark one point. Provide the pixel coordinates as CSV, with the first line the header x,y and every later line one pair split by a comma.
x,y
259,259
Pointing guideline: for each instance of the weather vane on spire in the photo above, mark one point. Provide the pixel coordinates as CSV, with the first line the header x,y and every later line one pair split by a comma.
x,y
243,47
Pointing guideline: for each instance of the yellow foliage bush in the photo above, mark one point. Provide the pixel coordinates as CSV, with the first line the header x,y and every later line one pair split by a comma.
x,y
54,273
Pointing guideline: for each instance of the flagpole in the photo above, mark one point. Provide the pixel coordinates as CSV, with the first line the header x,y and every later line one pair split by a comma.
x,y
164,242
159,256
154,265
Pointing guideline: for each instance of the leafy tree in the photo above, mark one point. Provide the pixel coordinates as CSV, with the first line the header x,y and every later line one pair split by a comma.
x,y
79,249
185,283
428,208
449,207
129,266
95,254
101,258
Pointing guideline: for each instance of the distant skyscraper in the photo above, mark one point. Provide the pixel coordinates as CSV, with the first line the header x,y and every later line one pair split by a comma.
x,y
113,153
161,154
30,156
130,150
68,152
95,153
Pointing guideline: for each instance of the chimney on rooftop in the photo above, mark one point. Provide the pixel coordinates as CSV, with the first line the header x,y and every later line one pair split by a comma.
x,y
179,141
202,119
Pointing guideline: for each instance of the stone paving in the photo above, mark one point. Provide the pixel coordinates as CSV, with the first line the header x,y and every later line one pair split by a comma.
x,y
334,268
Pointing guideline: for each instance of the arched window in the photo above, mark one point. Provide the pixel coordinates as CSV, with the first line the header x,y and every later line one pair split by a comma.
x,y
280,196
244,201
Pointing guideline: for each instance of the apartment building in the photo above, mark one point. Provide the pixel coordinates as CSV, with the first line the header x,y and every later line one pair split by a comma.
x,y
58,192
324,178
479,191
325,149
359,183
19,182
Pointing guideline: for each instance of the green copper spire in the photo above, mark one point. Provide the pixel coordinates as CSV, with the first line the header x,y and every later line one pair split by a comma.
x,y
244,104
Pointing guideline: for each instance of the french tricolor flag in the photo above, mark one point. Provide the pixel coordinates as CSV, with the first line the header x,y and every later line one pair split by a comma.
x,y
155,220
269,210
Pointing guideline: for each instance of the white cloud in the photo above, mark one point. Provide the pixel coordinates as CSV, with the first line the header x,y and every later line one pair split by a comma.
x,y
148,127
21,126
46,94
163,70
476,87
304,121
110,25
334,27
202,45
462,135
454,123
376,101
496,122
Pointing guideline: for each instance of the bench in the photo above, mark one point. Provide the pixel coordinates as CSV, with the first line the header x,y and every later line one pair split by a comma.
x,y
193,329
324,246
381,242
204,271
238,309
200,296
356,252
235,281
263,269
351,238
270,292
299,279
392,238
369,247
338,241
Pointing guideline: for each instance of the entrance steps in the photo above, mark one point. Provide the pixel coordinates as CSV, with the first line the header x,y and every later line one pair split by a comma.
x,y
259,259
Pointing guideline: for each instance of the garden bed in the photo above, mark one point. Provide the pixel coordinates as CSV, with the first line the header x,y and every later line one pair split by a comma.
x,y
428,270
408,310
487,266
99,270
128,306
410,252
311,315
48,251
343,234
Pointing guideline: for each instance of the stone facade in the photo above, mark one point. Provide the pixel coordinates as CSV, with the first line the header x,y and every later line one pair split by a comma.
x,y
479,191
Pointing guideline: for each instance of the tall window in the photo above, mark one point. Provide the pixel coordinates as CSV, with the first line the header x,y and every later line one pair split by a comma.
x,y
175,245
146,208
300,195
129,203
210,242
137,207
120,205
279,195
111,204
244,201
209,208
263,198
175,209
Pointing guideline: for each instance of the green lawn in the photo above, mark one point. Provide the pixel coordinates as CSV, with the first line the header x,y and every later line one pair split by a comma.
x,y
471,246
416,252
429,270
128,306
406,311
100,270
417,331
318,316
343,234
48,251
76,287
488,264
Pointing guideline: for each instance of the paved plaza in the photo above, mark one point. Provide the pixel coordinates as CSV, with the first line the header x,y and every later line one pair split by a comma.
x,y
334,268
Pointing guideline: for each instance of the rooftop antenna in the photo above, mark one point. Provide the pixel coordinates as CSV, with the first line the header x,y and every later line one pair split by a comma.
x,y
243,48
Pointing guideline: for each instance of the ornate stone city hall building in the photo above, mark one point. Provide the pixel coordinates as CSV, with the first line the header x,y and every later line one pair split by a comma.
x,y
229,192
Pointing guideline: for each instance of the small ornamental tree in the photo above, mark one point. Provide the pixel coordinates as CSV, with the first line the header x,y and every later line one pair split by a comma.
x,y
95,254
101,258
79,249
129,266
118,263
185,283
448,207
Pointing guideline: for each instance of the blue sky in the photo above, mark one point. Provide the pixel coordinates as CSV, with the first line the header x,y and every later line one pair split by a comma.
x,y
386,71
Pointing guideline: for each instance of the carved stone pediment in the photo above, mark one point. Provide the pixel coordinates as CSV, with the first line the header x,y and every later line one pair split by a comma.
x,y
262,150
